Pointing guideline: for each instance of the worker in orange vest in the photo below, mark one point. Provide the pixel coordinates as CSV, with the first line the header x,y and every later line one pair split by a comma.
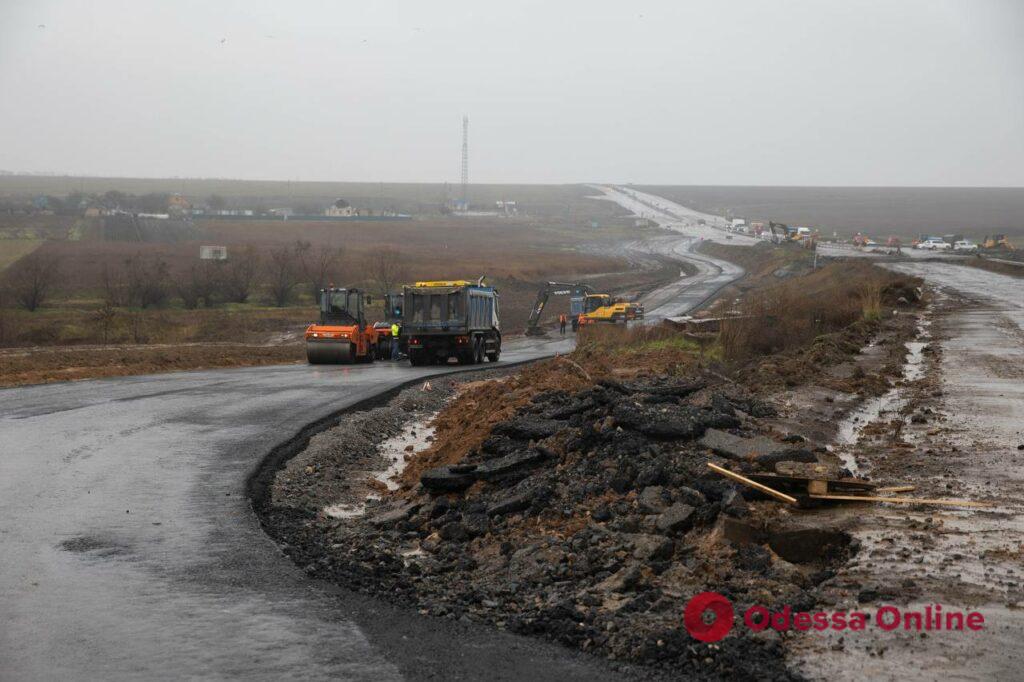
x,y
561,324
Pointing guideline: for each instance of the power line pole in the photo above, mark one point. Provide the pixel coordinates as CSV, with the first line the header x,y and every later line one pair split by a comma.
x,y
465,161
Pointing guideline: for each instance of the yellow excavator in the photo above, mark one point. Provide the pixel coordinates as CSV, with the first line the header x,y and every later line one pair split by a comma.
x,y
604,308
998,241
585,306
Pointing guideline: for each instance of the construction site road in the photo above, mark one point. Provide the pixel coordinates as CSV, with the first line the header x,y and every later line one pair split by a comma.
x,y
130,549
689,292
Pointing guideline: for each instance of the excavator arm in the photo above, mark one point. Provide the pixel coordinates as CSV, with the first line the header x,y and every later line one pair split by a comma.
x,y
577,290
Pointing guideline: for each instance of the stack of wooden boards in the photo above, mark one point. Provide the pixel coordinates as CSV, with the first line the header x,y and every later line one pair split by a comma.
x,y
803,492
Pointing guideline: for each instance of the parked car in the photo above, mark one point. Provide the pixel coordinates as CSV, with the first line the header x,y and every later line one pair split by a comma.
x,y
935,244
965,246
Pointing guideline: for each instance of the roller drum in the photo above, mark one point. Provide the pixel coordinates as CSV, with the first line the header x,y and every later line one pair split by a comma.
x,y
330,352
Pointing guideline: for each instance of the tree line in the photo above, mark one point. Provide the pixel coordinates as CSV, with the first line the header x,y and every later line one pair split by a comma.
x,y
278,274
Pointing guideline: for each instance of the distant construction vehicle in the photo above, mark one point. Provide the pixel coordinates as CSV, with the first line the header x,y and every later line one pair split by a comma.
x,y
577,295
585,306
604,308
342,335
451,319
998,241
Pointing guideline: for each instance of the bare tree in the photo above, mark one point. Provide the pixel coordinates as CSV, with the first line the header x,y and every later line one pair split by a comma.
x,y
32,279
240,274
387,267
283,275
104,317
146,281
113,287
197,285
321,267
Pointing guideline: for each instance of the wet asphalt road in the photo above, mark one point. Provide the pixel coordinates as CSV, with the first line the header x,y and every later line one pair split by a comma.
x,y
129,549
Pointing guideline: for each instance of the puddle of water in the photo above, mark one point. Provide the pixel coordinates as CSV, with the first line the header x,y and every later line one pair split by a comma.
x,y
914,368
344,511
397,451
850,428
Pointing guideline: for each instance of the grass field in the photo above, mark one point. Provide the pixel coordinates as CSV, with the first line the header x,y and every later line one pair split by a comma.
x,y
13,249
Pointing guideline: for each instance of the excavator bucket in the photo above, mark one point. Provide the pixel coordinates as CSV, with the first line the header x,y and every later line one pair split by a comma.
x,y
330,352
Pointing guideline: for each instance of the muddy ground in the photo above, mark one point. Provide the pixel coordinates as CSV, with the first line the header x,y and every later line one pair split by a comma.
x,y
40,365
954,428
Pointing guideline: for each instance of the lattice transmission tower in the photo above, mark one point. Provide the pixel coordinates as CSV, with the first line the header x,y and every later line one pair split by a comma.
x,y
465,161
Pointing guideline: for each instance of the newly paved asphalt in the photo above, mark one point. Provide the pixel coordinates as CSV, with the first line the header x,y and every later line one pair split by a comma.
x,y
128,549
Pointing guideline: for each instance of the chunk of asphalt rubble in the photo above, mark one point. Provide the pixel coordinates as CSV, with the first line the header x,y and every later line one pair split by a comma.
x,y
527,428
510,504
393,516
734,504
668,420
458,477
676,519
689,496
651,499
623,580
770,460
804,545
447,479
738,448
647,547
511,465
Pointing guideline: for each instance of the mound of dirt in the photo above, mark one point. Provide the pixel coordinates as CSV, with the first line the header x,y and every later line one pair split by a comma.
x,y
588,516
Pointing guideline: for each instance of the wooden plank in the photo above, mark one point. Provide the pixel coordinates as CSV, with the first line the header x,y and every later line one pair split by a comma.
x,y
901,500
896,489
817,487
850,483
782,497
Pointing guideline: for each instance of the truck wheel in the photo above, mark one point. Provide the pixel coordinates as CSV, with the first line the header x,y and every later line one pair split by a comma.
x,y
478,355
492,356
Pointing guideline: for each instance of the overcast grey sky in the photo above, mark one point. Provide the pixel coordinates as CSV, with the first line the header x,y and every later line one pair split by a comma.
x,y
816,92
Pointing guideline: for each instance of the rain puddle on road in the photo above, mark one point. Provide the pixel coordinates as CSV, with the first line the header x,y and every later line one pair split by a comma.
x,y
397,451
852,426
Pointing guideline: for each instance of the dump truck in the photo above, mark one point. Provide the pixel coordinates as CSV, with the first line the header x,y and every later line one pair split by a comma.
x,y
342,335
451,319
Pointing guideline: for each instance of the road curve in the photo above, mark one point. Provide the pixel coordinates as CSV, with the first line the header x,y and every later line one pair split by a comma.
x,y
690,228
129,550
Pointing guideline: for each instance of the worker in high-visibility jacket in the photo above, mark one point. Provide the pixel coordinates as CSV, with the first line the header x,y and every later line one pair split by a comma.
x,y
395,331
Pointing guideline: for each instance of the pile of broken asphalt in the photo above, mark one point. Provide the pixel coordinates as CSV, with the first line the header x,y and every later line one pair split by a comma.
x,y
590,518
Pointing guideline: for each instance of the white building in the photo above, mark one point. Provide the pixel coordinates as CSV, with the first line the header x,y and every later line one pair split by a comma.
x,y
340,209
